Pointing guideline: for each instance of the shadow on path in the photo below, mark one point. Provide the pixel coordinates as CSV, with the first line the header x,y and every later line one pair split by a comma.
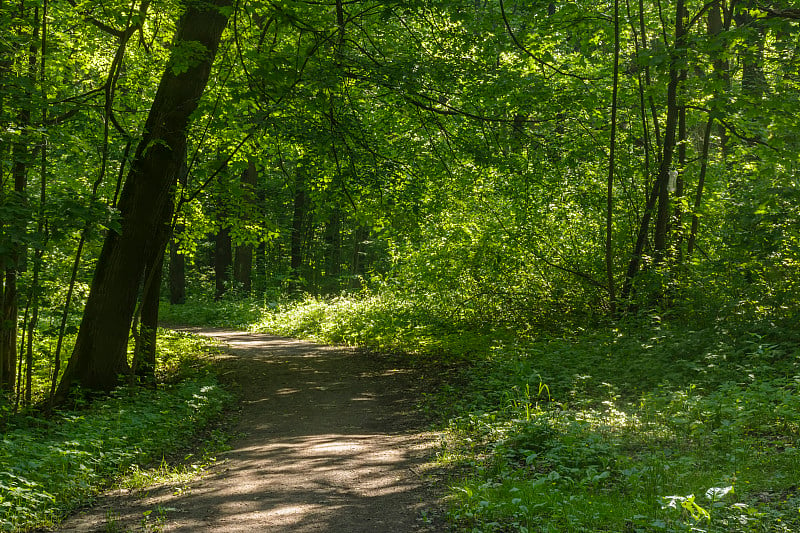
x,y
330,442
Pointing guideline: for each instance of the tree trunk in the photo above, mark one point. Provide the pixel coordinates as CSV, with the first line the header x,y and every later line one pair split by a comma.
x,y
609,252
243,260
144,352
5,66
333,256
177,270
677,214
698,199
144,359
673,112
298,218
19,170
660,191
8,331
100,350
222,261
243,267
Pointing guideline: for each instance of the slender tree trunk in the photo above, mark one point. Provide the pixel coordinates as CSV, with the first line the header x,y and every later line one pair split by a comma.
x,y
677,214
243,260
177,270
698,198
19,171
298,219
663,214
41,224
144,360
333,255
660,193
5,67
611,163
222,261
100,350
8,332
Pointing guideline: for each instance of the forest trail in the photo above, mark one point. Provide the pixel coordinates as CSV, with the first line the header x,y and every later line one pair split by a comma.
x,y
327,440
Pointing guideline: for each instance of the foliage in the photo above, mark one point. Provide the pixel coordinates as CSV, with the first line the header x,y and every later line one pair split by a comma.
x,y
649,426
232,313
432,177
50,466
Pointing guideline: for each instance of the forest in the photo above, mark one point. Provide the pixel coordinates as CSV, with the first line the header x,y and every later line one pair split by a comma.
x,y
587,213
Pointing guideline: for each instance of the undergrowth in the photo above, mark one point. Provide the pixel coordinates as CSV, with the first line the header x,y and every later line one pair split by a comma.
x,y
50,466
232,313
646,427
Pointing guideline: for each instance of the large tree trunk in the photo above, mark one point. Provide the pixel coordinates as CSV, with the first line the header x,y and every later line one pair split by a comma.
x,y
100,353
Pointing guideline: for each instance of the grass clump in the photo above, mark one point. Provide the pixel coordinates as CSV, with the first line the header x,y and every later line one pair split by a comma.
x,y
50,466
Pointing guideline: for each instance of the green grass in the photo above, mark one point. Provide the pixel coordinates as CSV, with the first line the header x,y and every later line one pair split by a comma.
x,y
647,427
239,313
49,467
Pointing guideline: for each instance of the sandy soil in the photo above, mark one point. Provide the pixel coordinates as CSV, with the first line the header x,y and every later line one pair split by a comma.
x,y
328,440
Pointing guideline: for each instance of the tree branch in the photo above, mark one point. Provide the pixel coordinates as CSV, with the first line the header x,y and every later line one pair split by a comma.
x,y
531,54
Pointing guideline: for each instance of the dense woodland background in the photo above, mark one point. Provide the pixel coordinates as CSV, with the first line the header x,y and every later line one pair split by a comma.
x,y
518,169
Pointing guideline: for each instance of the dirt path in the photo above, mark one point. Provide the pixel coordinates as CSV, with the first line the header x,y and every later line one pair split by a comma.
x,y
329,442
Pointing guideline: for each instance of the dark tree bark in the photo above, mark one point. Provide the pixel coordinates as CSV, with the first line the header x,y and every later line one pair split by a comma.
x,y
8,330
660,193
333,256
670,128
177,270
20,158
243,267
698,198
298,218
144,353
243,260
222,261
177,261
5,66
100,351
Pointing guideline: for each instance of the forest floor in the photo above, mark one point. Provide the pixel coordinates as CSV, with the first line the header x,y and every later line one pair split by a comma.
x,y
326,439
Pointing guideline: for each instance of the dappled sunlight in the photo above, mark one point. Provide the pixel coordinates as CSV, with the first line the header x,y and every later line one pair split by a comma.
x,y
324,446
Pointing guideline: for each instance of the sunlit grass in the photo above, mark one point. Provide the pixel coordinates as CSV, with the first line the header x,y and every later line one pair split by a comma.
x,y
650,427
49,466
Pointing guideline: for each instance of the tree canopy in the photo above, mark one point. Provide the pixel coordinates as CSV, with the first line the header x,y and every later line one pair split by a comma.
x,y
526,165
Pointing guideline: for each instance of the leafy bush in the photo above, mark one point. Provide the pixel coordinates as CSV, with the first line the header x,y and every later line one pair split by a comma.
x,y
234,313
